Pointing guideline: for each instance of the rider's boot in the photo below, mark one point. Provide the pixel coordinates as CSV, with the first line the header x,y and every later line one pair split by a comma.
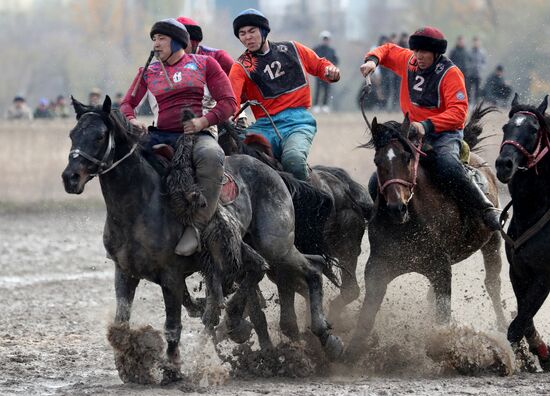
x,y
208,159
466,191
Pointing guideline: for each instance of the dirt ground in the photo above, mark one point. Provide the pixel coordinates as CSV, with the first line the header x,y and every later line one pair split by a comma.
x,y
57,294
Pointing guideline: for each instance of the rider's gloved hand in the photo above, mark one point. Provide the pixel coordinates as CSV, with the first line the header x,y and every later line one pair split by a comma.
x,y
367,68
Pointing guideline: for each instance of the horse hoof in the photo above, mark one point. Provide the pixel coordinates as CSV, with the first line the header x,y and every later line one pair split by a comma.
x,y
211,318
334,347
240,333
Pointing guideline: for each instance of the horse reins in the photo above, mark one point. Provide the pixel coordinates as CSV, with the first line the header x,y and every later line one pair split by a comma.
x,y
541,149
364,92
108,156
417,150
256,103
542,145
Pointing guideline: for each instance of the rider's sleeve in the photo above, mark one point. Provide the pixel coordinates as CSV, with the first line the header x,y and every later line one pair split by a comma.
x,y
391,56
220,88
225,60
312,63
238,78
129,103
455,103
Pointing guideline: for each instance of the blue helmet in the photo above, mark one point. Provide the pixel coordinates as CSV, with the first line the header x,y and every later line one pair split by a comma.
x,y
251,17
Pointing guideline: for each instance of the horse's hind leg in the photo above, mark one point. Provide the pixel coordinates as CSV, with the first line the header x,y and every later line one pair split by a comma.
x,y
125,290
288,321
493,266
258,319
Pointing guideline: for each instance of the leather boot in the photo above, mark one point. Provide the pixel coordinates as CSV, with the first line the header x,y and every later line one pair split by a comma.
x,y
466,191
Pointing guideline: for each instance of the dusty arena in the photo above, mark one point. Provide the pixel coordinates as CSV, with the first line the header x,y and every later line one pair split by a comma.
x,y
58,301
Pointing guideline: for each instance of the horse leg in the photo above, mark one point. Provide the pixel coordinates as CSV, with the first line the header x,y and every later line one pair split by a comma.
x,y
493,266
537,346
125,290
172,328
441,279
194,307
258,319
349,249
377,279
288,321
214,301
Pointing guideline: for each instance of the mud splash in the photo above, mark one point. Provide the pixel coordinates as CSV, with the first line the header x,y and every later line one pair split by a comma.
x,y
469,352
139,356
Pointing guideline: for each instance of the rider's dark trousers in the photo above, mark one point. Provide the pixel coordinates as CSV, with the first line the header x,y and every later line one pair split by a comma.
x,y
449,174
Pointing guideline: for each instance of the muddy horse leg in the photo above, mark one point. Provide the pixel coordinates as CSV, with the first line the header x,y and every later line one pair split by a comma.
x,y
172,327
377,279
194,307
537,346
349,290
125,290
493,266
441,279
258,319
288,321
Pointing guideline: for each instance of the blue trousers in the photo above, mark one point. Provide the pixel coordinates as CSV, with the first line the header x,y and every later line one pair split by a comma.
x,y
297,127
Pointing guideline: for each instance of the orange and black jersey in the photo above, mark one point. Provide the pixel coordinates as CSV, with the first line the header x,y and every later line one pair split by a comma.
x,y
435,96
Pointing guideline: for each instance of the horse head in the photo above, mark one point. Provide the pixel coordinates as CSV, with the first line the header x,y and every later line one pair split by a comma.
x,y
396,159
93,144
525,140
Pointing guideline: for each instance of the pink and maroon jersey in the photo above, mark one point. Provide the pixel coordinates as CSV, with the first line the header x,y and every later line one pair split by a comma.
x,y
189,77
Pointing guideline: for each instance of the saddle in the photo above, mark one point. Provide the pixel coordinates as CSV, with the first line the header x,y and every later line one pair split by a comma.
x,y
230,189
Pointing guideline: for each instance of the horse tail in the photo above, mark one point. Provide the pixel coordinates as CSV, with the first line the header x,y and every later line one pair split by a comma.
x,y
474,128
357,194
312,207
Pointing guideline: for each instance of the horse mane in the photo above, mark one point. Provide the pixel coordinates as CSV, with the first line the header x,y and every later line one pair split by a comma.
x,y
474,128
124,128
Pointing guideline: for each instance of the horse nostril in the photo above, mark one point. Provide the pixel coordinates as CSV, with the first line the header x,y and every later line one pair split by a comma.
x,y
505,164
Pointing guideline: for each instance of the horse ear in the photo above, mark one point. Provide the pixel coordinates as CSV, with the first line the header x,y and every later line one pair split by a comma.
x,y
79,108
107,104
542,107
515,101
374,124
406,126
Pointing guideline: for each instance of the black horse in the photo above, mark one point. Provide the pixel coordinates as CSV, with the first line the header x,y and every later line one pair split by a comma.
x,y
141,230
337,233
524,165
416,227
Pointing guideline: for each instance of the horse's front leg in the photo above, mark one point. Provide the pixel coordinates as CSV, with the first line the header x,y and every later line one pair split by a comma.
x,y
172,327
125,290
193,306
214,301
441,279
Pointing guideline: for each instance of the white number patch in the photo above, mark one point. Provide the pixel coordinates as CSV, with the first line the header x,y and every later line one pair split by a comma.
x,y
418,85
177,77
274,65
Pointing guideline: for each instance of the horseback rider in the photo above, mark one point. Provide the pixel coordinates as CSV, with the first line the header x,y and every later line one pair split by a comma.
x,y
274,74
179,83
433,93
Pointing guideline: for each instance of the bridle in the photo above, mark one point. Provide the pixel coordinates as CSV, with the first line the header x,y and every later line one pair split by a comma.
x,y
417,152
541,149
105,164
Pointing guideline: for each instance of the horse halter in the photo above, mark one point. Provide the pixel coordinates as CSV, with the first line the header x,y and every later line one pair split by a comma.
x,y
417,150
541,148
108,155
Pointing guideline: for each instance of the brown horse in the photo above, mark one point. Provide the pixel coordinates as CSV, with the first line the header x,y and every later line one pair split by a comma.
x,y
417,228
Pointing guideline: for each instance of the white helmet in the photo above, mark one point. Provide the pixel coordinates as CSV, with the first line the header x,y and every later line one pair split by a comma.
x,y
325,34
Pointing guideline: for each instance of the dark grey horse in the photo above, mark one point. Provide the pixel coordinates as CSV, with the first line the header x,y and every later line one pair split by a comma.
x,y
340,232
417,228
141,230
